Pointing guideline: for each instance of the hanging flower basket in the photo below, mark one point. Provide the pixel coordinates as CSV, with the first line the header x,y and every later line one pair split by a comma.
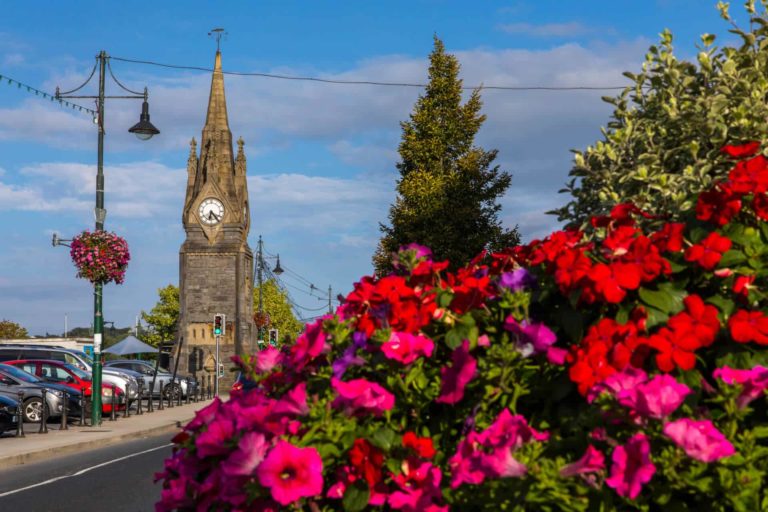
x,y
100,256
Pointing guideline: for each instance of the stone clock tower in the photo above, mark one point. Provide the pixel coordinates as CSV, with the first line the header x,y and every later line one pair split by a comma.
x,y
215,261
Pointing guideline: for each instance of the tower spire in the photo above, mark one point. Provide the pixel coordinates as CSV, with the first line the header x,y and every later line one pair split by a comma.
x,y
217,119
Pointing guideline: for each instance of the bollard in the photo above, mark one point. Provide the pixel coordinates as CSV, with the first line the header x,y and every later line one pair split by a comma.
x,y
43,415
113,412
169,392
179,398
83,405
140,398
20,416
126,412
160,403
65,412
209,387
150,400
189,391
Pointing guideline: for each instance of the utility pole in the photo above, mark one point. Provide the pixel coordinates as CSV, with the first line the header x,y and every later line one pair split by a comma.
x,y
260,337
330,307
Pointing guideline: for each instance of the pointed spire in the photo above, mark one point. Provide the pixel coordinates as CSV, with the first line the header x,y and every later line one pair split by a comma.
x,y
217,104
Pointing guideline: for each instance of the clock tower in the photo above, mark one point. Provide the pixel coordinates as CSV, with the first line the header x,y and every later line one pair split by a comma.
x,y
215,261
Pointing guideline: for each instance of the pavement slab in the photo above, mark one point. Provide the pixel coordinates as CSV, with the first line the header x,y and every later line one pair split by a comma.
x,y
33,447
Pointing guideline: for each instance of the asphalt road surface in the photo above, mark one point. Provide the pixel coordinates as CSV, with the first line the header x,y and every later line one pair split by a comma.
x,y
116,478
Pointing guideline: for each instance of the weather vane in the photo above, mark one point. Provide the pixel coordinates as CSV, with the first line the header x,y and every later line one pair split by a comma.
x,y
218,33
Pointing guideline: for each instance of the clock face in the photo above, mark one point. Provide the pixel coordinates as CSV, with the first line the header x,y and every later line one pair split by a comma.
x,y
211,211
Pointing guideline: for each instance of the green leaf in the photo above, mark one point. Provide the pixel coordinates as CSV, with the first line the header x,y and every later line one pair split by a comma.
x,y
356,496
760,432
731,258
384,438
726,306
454,338
655,317
667,299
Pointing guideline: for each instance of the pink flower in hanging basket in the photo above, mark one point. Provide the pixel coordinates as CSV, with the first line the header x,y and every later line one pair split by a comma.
x,y
100,256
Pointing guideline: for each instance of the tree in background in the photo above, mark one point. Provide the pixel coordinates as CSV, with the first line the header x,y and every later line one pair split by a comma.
x,y
448,188
662,146
11,330
163,318
276,303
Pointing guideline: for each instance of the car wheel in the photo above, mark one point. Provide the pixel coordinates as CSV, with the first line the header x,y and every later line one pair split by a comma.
x,y
33,410
172,391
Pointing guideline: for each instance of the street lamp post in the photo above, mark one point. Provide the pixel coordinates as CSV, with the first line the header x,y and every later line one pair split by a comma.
x,y
260,279
144,130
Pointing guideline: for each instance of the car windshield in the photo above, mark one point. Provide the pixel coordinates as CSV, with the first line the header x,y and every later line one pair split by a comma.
x,y
19,374
77,371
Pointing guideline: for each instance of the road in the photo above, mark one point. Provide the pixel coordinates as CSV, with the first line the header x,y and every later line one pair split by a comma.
x,y
122,482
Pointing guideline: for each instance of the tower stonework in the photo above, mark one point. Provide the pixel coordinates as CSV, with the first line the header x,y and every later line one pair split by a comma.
x,y
215,261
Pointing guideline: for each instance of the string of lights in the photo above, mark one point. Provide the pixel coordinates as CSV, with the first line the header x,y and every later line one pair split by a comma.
x,y
45,95
372,82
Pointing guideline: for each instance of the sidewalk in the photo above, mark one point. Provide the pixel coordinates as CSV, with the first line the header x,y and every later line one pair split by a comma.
x,y
23,450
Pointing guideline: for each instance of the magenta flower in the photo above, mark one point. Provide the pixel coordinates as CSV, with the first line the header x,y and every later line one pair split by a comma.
x,y
456,377
360,396
753,382
406,347
532,337
517,280
310,344
467,464
250,452
699,439
592,461
618,383
657,398
204,416
632,467
291,473
212,441
268,358
508,431
294,402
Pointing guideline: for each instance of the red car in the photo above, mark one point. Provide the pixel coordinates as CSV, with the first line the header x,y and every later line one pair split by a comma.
x,y
72,376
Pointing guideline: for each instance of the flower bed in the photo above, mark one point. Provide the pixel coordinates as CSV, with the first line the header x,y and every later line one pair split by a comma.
x,y
100,256
622,368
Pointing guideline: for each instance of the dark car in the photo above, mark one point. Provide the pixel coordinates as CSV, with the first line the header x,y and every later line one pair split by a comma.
x,y
8,414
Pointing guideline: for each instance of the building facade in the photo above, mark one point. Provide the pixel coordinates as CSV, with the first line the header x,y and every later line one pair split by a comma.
x,y
215,261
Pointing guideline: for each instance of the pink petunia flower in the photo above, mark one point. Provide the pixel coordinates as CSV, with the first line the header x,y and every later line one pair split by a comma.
x,y
618,383
406,347
291,473
632,467
212,441
360,396
532,337
268,358
592,461
699,439
456,377
250,452
657,398
753,382
294,402
310,344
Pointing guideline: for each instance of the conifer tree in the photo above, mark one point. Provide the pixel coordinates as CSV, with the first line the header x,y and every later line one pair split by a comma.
x,y
448,188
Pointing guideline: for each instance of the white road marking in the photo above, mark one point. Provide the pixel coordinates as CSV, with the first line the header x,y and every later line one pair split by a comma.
x,y
83,471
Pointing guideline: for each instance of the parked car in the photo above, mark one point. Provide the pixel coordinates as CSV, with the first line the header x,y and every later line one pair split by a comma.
x,y
120,378
13,380
184,383
73,378
8,414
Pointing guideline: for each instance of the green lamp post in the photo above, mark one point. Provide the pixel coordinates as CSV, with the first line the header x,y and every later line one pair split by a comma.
x,y
144,130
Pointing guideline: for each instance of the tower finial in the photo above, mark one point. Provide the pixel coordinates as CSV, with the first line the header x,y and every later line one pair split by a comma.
x,y
218,33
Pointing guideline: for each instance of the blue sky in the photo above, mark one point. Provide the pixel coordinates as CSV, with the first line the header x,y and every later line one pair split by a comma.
x,y
321,158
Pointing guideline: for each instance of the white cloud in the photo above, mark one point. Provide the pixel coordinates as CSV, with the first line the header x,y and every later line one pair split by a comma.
x,y
13,59
566,29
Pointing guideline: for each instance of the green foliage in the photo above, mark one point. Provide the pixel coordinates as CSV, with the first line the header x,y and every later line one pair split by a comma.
x,y
662,144
448,188
163,318
11,330
275,302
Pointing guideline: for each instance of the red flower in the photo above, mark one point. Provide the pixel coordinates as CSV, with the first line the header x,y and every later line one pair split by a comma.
x,y
421,445
470,290
749,326
367,461
612,281
742,285
670,238
760,206
648,258
619,240
741,151
708,252
749,176
718,205
551,247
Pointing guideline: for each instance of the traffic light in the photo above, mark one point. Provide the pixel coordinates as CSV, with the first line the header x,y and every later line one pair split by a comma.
x,y
219,324
273,337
